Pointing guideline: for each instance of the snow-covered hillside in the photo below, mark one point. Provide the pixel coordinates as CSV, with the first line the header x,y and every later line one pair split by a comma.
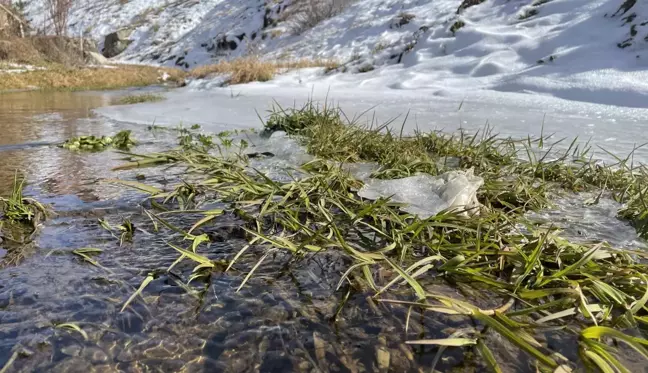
x,y
585,50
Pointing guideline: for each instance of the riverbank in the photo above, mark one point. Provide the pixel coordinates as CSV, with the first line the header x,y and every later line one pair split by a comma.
x,y
59,77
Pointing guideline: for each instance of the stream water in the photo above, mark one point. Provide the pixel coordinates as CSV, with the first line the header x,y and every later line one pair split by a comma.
x,y
285,320
281,322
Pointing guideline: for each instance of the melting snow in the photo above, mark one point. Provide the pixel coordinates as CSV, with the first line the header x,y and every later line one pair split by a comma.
x,y
426,195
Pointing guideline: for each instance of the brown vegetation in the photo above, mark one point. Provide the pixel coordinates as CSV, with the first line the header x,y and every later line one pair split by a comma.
x,y
43,49
61,77
11,22
58,14
250,69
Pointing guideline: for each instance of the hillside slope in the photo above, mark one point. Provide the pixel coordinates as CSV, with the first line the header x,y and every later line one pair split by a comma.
x,y
585,50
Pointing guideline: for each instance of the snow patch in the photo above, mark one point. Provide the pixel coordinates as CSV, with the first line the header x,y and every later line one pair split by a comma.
x,y
580,50
426,195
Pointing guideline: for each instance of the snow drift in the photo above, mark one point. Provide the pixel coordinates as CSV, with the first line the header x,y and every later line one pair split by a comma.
x,y
584,50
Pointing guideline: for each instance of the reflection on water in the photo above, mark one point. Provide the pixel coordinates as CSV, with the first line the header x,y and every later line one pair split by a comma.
x,y
38,117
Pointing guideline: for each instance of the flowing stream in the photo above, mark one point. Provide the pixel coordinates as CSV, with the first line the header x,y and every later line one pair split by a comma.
x,y
286,319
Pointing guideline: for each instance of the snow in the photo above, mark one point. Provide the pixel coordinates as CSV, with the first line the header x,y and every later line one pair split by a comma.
x,y
575,68
584,221
511,114
426,195
280,157
17,68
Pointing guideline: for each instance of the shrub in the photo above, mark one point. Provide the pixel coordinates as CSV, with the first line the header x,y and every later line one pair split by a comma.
x,y
251,69
303,15
58,11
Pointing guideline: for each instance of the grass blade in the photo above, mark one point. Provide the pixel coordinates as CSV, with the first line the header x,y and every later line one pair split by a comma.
x,y
146,281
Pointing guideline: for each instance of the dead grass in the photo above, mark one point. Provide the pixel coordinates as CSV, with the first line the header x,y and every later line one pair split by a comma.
x,y
58,77
250,69
42,49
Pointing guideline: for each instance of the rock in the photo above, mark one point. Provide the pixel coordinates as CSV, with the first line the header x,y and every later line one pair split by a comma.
x,y
117,42
72,350
401,20
465,4
96,58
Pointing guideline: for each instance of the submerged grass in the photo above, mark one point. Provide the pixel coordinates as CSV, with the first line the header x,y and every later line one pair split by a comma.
x,y
18,209
122,140
19,223
536,282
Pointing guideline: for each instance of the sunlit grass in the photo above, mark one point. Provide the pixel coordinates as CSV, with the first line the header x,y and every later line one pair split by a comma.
x,y
59,77
251,69
122,140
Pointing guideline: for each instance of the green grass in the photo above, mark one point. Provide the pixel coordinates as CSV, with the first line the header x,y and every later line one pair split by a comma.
x,y
122,140
593,294
138,99
19,223
18,209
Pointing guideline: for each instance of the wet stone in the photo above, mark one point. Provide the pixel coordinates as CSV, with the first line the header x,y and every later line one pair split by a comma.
x,y
103,369
72,365
129,323
276,362
162,351
71,350
95,355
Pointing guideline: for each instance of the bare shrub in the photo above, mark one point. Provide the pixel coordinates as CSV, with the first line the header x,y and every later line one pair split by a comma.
x,y
11,20
303,15
58,11
251,69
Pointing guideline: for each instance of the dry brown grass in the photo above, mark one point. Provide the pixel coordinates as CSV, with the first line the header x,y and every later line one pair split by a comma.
x,y
250,69
43,49
58,77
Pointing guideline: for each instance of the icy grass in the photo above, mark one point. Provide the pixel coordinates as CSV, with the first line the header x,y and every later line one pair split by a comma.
x,y
590,296
252,69
139,99
59,77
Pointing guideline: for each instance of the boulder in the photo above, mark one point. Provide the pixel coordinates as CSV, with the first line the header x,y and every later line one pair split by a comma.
x,y
96,58
116,42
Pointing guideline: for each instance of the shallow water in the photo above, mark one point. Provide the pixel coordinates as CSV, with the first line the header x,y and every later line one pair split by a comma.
x,y
284,320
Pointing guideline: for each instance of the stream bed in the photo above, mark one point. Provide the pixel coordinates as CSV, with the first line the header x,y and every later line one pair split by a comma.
x,y
59,312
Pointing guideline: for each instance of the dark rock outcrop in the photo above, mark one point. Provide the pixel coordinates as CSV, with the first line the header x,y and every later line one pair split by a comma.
x,y
116,42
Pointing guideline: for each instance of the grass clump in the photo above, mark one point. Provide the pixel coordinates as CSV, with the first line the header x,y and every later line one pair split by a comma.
x,y
458,25
251,69
59,77
122,140
18,209
138,99
19,223
520,282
